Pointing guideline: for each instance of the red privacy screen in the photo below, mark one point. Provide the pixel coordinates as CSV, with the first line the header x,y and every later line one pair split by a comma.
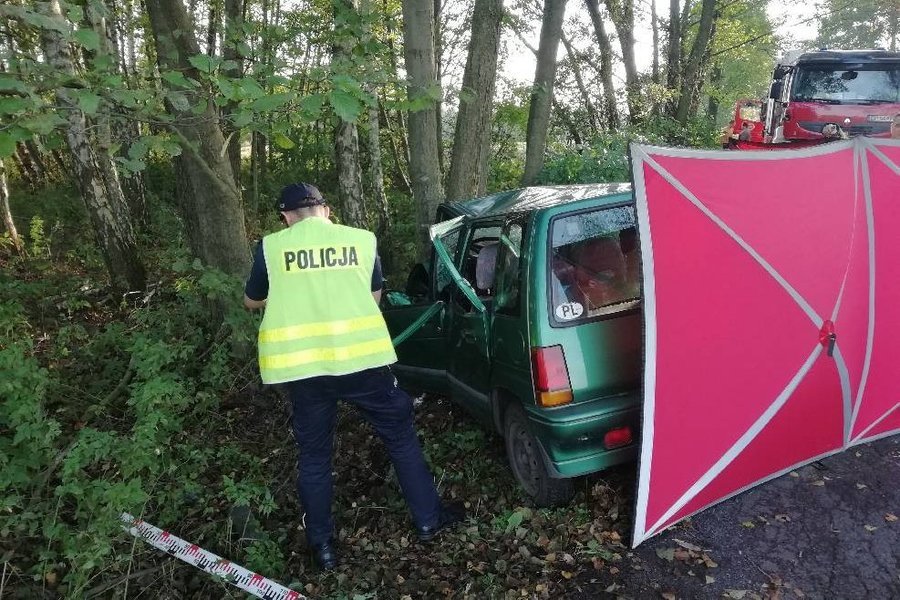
x,y
770,329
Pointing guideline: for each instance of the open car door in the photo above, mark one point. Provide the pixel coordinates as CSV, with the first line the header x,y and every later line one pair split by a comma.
x,y
417,319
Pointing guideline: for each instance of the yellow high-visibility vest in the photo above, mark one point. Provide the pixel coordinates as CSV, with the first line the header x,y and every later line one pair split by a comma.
x,y
321,318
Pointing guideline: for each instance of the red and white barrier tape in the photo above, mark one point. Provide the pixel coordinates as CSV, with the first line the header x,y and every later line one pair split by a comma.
x,y
192,554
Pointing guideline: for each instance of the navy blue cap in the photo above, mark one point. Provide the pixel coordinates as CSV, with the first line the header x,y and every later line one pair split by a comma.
x,y
299,195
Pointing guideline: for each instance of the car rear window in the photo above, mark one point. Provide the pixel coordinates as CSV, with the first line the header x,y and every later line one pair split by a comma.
x,y
595,265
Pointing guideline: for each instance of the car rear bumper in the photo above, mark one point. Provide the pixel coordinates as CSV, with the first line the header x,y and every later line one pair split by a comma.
x,y
571,438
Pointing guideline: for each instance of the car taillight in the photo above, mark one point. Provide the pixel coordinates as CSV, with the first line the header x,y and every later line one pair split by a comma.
x,y
614,438
551,377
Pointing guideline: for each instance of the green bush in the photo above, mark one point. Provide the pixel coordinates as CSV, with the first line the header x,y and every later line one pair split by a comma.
x,y
605,158
107,408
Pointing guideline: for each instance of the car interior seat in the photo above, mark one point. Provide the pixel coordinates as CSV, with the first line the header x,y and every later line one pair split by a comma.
x,y
486,269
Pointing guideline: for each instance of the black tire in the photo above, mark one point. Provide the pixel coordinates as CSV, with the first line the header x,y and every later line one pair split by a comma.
x,y
527,464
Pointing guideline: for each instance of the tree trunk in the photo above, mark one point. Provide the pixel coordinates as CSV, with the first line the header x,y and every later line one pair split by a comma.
x,y
212,211
234,23
542,91
622,14
212,27
28,167
476,101
438,76
259,167
654,25
425,170
563,115
693,68
606,67
349,174
346,136
673,48
7,214
401,161
376,175
685,23
895,18
94,170
582,88
133,184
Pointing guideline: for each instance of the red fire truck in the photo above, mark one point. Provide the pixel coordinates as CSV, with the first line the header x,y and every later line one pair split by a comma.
x,y
819,96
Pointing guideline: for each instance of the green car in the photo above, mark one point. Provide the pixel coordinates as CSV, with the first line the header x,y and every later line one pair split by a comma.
x,y
529,315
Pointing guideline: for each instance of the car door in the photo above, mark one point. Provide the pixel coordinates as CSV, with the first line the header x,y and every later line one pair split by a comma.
x,y
510,349
422,356
470,336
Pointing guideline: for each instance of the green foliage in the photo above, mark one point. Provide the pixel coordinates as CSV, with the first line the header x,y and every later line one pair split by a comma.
x,y
103,416
744,51
40,245
605,159
857,25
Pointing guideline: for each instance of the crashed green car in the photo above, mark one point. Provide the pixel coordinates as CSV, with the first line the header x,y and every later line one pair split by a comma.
x,y
528,316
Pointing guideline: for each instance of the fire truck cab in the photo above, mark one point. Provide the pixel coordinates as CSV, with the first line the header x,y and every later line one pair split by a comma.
x,y
829,94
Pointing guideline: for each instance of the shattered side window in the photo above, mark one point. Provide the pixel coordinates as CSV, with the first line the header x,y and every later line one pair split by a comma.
x,y
595,264
442,277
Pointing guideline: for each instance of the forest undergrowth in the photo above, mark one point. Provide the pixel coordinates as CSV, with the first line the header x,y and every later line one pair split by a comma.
x,y
149,403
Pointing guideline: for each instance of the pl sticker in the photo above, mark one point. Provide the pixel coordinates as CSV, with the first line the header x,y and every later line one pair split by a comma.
x,y
569,311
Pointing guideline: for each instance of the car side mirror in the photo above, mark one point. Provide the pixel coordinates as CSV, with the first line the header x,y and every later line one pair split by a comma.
x,y
418,283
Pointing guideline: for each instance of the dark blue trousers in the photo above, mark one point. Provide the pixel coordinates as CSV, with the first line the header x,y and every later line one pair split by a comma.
x,y
389,409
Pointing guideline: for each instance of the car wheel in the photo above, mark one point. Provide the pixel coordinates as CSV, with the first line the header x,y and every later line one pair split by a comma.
x,y
527,464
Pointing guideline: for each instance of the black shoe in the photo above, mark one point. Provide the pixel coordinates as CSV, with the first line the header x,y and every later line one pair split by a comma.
x,y
450,515
326,556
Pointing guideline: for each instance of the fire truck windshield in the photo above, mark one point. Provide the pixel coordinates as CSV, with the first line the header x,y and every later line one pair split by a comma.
x,y
838,86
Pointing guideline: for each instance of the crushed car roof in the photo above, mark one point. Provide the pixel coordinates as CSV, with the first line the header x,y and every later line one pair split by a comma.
x,y
534,198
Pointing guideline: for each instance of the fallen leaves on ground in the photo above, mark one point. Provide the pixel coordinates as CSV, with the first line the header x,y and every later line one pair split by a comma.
x,y
506,548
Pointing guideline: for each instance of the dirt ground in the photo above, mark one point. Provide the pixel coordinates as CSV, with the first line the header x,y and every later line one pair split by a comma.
x,y
827,530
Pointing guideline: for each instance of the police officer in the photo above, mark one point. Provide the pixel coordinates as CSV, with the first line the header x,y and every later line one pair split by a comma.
x,y
323,335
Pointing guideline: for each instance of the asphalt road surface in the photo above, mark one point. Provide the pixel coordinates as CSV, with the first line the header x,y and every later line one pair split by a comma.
x,y
827,530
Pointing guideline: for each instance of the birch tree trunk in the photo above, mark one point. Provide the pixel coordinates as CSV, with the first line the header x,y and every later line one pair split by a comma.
x,y
212,210
376,175
94,170
542,91
606,68
346,136
27,166
7,214
693,68
425,171
476,101
349,174
133,184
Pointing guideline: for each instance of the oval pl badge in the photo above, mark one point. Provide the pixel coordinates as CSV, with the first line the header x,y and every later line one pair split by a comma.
x,y
569,311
